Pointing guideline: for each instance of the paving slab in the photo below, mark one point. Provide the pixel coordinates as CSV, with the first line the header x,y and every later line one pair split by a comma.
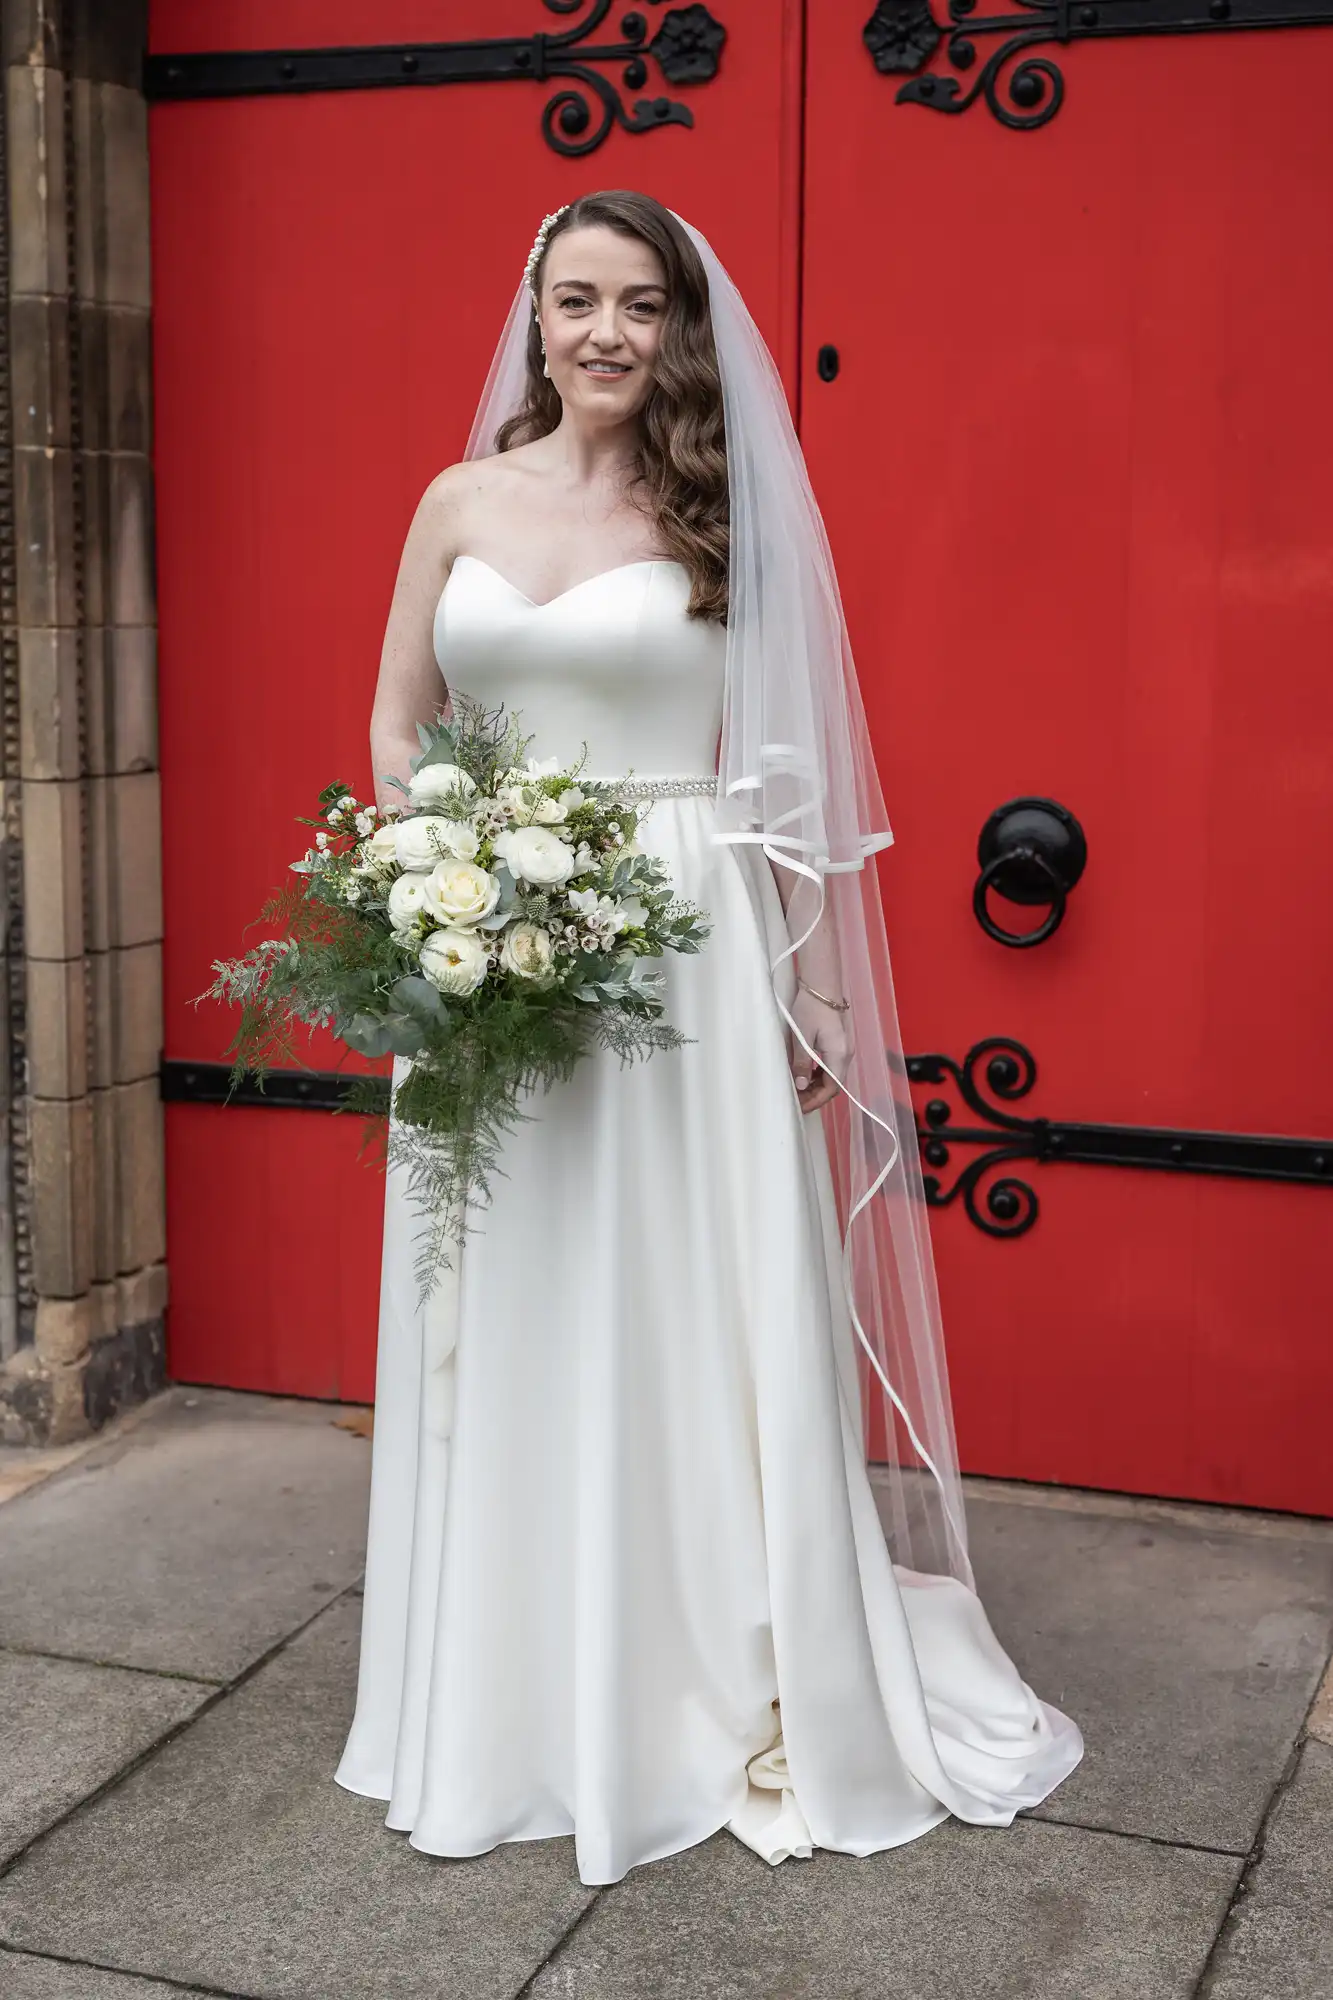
x,y
1186,1644
225,1521
1278,1943
67,1728
232,1861
23,1978
1030,1912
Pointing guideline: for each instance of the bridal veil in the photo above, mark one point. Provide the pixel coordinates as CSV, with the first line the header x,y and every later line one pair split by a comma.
x,y
796,777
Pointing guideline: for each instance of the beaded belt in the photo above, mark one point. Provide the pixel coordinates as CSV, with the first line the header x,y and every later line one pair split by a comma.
x,y
663,788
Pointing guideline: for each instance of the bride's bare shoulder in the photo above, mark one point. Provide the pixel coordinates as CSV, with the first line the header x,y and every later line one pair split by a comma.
x,y
460,492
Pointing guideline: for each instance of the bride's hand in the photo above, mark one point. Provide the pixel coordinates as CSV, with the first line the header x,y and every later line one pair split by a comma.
x,y
825,1029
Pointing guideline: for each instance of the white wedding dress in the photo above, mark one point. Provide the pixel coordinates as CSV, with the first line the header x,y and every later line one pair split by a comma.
x,y
619,1503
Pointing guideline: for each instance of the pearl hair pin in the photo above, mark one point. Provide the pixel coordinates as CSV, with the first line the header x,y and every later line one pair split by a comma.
x,y
535,254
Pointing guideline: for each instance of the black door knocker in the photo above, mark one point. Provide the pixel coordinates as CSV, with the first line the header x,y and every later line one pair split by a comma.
x,y
1031,851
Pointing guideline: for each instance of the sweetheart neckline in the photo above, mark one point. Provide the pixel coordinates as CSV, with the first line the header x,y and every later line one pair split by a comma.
x,y
544,603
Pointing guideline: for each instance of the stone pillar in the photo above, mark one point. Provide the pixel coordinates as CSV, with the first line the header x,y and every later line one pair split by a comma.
x,y
82,1276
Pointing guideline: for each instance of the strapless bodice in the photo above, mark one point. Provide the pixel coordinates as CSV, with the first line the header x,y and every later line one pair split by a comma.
x,y
614,662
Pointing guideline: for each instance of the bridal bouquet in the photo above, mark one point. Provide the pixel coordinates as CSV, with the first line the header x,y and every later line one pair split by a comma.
x,y
491,931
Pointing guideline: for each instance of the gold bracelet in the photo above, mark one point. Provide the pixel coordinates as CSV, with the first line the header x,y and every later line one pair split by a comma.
x,y
841,1006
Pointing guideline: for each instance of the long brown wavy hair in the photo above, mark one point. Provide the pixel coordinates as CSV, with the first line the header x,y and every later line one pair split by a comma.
x,y
679,474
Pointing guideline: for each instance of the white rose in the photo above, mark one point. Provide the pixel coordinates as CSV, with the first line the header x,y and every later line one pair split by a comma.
x,y
536,855
407,900
439,781
423,840
527,951
461,893
455,961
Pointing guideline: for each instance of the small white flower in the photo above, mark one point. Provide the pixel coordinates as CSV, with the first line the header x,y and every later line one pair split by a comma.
x,y
600,913
321,840
523,774
455,961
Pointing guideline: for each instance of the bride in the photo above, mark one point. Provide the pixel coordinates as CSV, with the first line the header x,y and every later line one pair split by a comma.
x,y
630,1576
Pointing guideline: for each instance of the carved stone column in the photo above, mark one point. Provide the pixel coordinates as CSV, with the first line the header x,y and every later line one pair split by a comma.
x,y
82,1277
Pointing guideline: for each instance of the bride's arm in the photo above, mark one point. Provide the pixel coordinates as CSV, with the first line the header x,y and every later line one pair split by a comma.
x,y
410,689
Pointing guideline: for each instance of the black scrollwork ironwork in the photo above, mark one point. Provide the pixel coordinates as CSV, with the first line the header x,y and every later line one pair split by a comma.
x,y
901,35
1010,1071
687,48
688,44
904,34
1011,1204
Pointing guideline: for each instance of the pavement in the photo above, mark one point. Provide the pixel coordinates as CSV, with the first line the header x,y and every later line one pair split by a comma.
x,y
179,1609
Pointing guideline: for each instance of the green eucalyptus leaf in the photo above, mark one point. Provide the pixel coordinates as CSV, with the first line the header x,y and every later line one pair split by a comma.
x,y
367,1035
418,996
404,1035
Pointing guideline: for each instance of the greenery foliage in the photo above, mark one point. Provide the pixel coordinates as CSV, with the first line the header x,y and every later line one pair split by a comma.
x,y
488,934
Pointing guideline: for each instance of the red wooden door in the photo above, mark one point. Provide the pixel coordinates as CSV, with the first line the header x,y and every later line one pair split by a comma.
x,y
331,271
1075,467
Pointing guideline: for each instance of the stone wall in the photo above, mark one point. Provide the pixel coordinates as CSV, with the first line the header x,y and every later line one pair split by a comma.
x,y
82,1277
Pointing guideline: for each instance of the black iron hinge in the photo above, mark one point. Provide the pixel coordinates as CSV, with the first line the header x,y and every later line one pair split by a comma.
x,y
686,49
903,35
1011,1204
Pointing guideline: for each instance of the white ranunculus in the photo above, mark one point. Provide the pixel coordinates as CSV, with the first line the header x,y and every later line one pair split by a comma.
x,y
459,893
425,839
380,851
407,900
434,782
535,854
417,843
454,960
527,950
